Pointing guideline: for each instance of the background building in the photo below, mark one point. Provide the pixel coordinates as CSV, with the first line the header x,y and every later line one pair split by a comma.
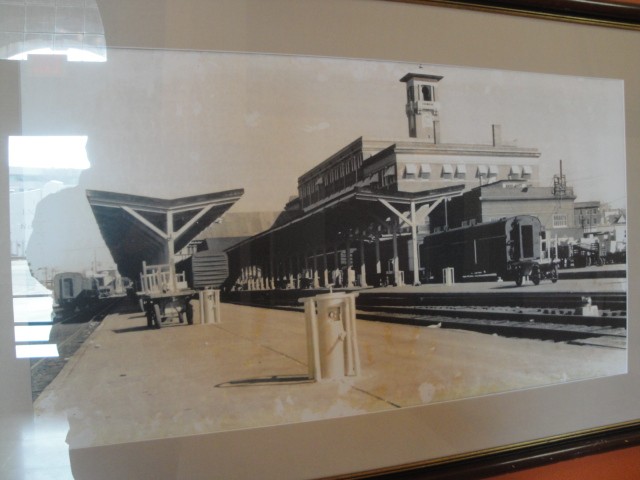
x,y
361,214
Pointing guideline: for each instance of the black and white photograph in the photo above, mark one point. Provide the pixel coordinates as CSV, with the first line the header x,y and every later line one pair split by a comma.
x,y
225,241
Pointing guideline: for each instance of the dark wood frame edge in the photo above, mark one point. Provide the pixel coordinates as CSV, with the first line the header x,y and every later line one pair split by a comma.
x,y
516,458
617,14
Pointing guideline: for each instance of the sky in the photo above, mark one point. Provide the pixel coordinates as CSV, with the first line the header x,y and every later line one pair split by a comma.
x,y
175,123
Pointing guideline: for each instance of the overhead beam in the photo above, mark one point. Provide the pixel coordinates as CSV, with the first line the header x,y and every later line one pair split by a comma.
x,y
145,222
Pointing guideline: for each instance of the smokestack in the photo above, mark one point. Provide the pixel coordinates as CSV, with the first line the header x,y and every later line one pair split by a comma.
x,y
497,135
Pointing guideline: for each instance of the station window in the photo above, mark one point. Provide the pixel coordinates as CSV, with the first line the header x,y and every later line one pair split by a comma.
x,y
481,171
447,171
427,93
559,220
527,171
461,171
425,170
515,172
410,171
389,176
493,171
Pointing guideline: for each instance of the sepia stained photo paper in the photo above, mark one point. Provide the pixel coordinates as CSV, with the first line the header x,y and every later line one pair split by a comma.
x,y
256,240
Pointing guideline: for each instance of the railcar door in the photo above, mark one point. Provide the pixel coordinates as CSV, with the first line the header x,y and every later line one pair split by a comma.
x,y
526,241
514,241
66,288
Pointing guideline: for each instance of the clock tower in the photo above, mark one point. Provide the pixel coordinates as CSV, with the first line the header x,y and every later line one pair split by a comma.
x,y
422,107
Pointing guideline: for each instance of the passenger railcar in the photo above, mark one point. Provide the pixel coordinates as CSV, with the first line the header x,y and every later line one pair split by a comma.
x,y
73,290
512,248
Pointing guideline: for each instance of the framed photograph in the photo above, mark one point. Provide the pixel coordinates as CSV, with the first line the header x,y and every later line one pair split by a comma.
x,y
442,196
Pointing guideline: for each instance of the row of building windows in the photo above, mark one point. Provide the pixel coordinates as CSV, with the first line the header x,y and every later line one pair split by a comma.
x,y
342,174
449,171
345,173
588,220
559,220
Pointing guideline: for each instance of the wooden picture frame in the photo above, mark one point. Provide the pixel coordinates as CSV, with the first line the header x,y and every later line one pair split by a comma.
x,y
616,14
471,437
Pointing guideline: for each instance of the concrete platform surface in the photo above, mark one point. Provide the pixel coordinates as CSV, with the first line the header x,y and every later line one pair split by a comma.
x,y
129,383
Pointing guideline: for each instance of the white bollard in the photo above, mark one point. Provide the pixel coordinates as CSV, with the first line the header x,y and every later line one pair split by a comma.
x,y
587,309
448,277
196,316
210,305
331,335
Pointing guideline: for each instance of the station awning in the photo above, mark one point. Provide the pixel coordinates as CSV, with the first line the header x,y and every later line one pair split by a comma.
x,y
137,228
353,209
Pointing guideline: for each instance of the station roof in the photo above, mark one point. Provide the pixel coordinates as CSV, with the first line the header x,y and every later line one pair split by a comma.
x,y
136,228
351,209
421,76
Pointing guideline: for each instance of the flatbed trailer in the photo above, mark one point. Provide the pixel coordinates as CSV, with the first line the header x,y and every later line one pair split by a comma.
x,y
163,288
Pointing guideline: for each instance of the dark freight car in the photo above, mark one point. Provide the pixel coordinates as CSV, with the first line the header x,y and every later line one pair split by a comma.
x,y
511,248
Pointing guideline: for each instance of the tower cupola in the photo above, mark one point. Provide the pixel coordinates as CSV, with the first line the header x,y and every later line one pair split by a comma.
x,y
422,107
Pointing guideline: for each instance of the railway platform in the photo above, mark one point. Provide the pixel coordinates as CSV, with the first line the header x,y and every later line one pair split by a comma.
x,y
607,278
131,383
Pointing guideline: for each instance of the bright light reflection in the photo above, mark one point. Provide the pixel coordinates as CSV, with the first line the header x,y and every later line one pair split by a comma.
x,y
72,54
37,351
68,152
32,309
32,333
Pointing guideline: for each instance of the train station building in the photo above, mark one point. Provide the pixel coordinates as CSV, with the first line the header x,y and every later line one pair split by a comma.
x,y
360,215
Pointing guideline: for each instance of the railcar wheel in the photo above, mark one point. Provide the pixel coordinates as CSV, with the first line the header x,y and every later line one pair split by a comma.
x,y
519,278
158,316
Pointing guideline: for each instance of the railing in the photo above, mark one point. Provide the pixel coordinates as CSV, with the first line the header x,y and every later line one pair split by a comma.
x,y
159,279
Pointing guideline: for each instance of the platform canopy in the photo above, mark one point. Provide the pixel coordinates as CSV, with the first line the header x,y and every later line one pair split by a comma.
x,y
338,224
137,228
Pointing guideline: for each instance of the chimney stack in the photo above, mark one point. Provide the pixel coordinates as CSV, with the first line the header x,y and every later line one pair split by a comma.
x,y
497,135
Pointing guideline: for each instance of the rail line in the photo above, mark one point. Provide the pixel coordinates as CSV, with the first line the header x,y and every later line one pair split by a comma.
x,y
544,316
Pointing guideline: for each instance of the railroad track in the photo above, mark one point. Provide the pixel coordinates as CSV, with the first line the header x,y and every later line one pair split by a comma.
x,y
610,301
544,316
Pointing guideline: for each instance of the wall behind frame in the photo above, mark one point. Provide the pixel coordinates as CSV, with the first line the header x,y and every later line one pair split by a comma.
x,y
378,29
389,31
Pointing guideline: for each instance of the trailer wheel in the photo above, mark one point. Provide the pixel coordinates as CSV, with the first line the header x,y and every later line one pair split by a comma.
x,y
535,275
554,274
148,312
158,316
189,312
